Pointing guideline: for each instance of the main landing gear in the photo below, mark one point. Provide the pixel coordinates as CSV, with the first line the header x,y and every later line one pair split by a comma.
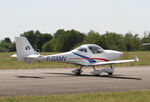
x,y
96,72
78,71
109,71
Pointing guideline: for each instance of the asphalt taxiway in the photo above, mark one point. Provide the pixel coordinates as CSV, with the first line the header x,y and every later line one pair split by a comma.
x,y
52,81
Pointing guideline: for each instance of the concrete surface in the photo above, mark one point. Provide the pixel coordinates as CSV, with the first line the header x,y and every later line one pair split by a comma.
x,y
20,82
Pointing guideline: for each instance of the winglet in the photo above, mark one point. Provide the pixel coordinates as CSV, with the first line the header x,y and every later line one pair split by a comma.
x,y
136,59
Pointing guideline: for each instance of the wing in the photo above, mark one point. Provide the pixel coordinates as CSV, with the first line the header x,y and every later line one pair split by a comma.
x,y
116,62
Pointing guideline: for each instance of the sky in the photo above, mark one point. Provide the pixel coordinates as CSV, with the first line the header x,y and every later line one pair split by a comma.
x,y
47,16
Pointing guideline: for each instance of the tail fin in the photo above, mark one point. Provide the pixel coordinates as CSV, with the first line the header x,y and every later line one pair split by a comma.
x,y
23,48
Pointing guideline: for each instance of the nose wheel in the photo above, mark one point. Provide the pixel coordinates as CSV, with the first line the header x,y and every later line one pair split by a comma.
x,y
112,70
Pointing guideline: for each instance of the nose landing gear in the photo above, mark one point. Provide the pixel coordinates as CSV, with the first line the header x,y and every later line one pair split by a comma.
x,y
111,71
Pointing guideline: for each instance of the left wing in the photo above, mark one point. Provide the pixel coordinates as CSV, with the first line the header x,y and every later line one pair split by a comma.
x,y
116,62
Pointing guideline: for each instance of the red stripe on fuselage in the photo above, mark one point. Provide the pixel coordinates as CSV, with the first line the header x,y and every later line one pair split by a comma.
x,y
91,58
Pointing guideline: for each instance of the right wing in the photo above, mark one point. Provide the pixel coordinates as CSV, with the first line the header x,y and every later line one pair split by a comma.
x,y
116,62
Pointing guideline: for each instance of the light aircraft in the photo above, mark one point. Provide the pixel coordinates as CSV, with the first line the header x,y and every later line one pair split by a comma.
x,y
145,44
84,55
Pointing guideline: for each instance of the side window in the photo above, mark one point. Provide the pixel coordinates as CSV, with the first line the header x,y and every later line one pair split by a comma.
x,y
92,50
83,50
95,49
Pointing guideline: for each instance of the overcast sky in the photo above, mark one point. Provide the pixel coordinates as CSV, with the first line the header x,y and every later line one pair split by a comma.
x,y
47,16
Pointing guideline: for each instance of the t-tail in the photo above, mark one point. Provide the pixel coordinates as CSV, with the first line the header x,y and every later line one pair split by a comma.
x,y
25,51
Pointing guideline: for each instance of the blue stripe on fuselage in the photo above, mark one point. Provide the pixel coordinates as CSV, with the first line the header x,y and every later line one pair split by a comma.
x,y
87,58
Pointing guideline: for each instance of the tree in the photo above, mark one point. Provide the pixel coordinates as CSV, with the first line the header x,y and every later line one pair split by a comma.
x,y
132,42
107,41
49,46
31,36
41,39
7,40
12,47
37,39
58,33
67,40
113,41
6,45
92,38
146,39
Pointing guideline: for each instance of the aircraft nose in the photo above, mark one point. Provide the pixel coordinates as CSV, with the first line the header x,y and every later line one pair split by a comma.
x,y
115,55
119,53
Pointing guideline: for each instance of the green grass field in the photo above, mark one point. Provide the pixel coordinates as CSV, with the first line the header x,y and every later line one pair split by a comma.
x,y
136,96
6,62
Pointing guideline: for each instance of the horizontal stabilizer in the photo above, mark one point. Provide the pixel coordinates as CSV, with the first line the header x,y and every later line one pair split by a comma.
x,y
14,55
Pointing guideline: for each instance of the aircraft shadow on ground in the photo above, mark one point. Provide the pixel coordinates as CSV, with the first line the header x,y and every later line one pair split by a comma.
x,y
88,75
34,77
82,75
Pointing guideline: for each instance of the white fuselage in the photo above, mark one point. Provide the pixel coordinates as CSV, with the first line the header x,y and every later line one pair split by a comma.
x,y
84,58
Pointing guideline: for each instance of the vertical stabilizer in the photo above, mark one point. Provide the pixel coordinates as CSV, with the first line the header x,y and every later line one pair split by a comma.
x,y
23,48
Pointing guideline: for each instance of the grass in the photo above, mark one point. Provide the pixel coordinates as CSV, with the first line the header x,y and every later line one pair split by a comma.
x,y
144,57
6,62
136,96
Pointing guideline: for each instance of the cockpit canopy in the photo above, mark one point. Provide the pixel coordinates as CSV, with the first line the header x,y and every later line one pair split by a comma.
x,y
95,49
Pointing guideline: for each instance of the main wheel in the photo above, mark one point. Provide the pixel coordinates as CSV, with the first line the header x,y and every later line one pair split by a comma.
x,y
110,73
78,73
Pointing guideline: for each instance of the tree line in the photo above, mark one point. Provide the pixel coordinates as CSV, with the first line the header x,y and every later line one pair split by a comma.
x,y
62,41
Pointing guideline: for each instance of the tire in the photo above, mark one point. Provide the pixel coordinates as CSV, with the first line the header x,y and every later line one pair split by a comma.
x,y
110,73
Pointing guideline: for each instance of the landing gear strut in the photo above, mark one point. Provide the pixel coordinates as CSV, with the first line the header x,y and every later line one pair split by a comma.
x,y
94,68
96,72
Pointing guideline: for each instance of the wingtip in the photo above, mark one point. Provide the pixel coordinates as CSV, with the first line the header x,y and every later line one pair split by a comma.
x,y
136,59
